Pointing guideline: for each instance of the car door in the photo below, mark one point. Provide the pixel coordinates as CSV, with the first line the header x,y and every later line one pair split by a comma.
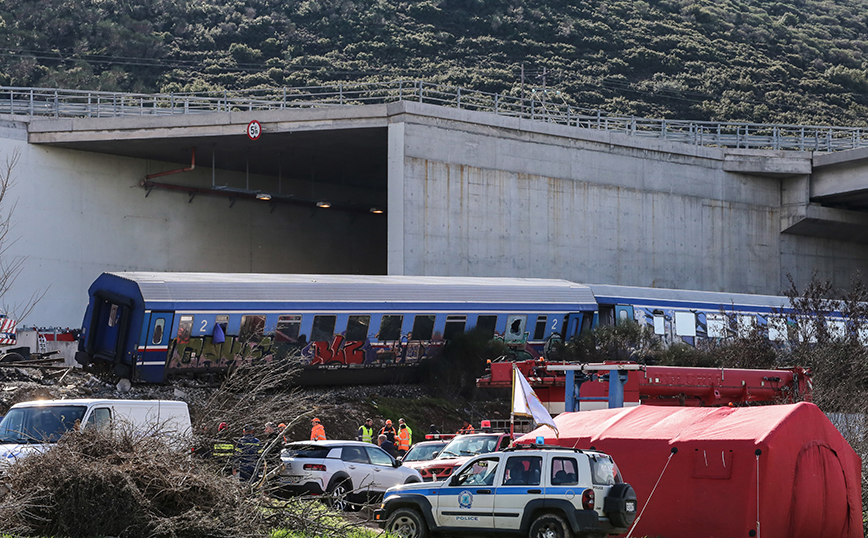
x,y
520,482
468,499
385,474
358,466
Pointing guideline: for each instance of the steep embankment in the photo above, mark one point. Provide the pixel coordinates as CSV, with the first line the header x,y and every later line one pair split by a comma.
x,y
796,61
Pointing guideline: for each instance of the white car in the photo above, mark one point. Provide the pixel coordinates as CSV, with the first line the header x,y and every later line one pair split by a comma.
x,y
539,492
348,471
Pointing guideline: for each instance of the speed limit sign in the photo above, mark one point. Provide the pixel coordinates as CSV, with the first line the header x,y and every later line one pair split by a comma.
x,y
254,130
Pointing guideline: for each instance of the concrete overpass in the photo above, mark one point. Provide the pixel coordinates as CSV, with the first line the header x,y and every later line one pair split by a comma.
x,y
464,192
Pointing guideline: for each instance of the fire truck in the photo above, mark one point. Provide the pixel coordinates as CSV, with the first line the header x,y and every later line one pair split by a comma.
x,y
579,387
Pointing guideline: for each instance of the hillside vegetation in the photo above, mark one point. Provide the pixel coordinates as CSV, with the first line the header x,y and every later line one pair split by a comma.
x,y
794,61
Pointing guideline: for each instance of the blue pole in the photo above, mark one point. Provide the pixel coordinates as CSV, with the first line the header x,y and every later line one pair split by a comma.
x,y
617,379
570,391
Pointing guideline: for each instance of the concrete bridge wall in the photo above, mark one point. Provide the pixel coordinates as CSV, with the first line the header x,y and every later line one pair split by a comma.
x,y
504,197
468,194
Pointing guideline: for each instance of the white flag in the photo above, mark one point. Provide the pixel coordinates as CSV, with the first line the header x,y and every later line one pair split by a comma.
x,y
525,402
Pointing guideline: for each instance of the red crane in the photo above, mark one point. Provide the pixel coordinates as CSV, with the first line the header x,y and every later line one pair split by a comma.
x,y
659,385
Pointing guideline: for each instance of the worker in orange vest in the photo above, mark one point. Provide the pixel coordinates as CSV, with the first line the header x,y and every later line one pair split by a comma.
x,y
317,432
403,440
467,428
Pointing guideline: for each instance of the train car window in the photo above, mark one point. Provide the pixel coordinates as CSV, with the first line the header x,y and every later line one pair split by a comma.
x,y
288,327
539,331
357,328
223,321
587,321
515,325
113,316
837,328
685,324
716,325
159,327
185,329
323,328
454,326
659,323
746,325
390,327
252,328
607,315
487,325
777,329
423,327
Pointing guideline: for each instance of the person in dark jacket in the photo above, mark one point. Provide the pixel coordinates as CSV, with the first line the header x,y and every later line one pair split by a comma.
x,y
387,445
389,431
246,455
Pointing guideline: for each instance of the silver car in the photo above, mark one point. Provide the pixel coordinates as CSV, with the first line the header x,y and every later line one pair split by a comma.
x,y
349,472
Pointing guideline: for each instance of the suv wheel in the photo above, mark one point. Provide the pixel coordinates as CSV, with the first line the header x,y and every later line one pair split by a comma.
x,y
406,523
337,496
549,526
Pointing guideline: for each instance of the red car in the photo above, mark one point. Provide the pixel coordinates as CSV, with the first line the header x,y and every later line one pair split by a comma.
x,y
458,451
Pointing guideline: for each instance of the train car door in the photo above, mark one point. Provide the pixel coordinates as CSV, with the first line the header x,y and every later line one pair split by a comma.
x,y
158,332
109,330
573,325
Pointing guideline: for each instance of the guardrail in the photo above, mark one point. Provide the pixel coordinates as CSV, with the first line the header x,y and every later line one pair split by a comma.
x,y
95,104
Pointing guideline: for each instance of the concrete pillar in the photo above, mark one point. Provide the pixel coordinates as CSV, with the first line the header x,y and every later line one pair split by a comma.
x,y
395,171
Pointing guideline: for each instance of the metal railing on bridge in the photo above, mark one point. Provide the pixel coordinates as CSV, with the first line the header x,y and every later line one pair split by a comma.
x,y
59,103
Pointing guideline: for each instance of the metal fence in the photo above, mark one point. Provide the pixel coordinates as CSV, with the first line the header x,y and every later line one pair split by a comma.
x,y
59,103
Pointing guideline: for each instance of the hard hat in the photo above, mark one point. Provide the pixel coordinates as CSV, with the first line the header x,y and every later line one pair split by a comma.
x,y
281,425
388,421
222,426
314,419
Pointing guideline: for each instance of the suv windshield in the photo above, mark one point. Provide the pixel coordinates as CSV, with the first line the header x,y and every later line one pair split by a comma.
x,y
470,445
25,425
306,451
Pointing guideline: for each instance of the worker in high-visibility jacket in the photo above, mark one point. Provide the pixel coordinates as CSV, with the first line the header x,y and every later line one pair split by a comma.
x,y
401,423
317,431
366,431
403,440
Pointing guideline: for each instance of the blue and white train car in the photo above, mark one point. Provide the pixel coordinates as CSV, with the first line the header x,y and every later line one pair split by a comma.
x,y
688,315
147,326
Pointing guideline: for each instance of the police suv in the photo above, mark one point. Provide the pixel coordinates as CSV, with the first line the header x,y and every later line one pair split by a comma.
x,y
537,491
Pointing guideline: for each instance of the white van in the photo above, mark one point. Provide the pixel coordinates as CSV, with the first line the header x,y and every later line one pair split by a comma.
x,y
33,426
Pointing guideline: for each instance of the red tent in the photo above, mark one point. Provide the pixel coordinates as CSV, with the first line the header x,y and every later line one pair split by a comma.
x,y
787,463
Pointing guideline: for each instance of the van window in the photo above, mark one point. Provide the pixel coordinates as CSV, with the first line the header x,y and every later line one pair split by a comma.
x,y
390,327
28,425
100,418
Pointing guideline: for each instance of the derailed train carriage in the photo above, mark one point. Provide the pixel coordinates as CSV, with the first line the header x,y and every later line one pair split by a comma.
x,y
348,329
378,329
